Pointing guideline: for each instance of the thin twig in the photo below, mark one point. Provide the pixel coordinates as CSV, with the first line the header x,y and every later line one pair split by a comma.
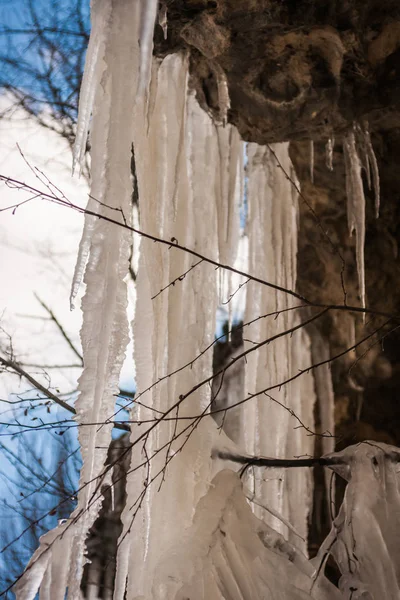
x,y
11,364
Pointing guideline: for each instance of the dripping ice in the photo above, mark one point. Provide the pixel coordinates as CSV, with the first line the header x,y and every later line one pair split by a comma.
x,y
101,16
355,146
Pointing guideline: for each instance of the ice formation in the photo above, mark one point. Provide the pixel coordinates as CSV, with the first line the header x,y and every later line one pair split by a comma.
x,y
320,352
189,199
312,161
188,530
365,533
359,153
355,205
272,233
229,553
373,164
329,146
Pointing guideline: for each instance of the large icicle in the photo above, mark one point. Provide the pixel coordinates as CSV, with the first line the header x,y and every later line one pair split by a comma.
x,y
272,232
148,19
94,68
179,203
104,331
145,11
355,205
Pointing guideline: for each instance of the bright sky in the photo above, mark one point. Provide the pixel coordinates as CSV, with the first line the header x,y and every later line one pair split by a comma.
x,y
38,242
38,245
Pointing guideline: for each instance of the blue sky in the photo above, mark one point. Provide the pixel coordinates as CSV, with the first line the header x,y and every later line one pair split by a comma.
x,y
25,239
28,62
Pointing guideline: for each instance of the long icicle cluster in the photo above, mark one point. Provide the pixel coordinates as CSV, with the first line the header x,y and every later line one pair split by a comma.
x,y
272,232
190,198
189,172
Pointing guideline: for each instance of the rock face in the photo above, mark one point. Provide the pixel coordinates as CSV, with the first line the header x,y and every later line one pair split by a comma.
x,y
295,69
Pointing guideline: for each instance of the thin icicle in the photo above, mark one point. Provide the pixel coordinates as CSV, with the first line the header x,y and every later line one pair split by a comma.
x,y
355,205
83,254
223,94
94,67
163,19
312,161
329,146
375,169
326,401
361,146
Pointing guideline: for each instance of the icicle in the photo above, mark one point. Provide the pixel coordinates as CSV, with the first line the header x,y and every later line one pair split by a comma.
x,y
223,94
272,232
375,169
50,564
329,146
94,67
163,19
83,254
361,146
148,19
312,161
177,201
229,161
355,205
326,400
